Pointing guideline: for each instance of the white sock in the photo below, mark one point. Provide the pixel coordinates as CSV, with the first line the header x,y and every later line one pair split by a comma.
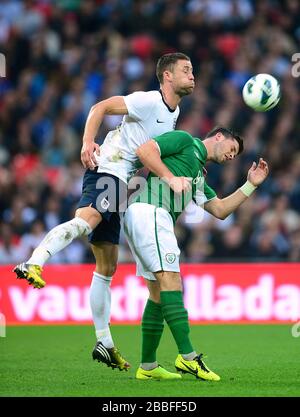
x,y
148,366
58,238
100,300
189,356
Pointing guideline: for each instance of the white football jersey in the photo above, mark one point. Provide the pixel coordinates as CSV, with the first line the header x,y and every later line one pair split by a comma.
x,y
148,116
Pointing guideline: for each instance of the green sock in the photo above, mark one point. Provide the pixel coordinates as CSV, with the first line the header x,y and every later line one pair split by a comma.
x,y
152,328
177,318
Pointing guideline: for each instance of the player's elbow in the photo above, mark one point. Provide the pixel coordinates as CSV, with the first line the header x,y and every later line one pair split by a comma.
x,y
139,153
218,210
221,215
95,108
145,150
98,109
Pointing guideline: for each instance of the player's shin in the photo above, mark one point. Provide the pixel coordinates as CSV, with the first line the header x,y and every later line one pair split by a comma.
x,y
177,318
58,238
152,329
100,301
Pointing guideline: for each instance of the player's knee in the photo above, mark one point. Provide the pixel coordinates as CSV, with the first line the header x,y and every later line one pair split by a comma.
x,y
106,269
154,290
155,298
171,286
90,215
154,295
169,281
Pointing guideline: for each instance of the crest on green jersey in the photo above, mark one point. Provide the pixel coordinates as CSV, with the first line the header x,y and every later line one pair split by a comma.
x,y
199,178
170,258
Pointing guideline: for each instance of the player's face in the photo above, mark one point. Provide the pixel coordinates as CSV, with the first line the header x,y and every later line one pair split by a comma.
x,y
183,78
225,149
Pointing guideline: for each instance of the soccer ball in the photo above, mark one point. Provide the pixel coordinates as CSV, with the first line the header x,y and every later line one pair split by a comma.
x,y
261,92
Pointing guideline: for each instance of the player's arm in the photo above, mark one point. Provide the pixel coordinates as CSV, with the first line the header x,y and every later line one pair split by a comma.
x,y
113,106
222,207
150,156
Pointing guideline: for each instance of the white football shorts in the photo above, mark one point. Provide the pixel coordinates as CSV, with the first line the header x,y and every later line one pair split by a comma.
x,y
150,234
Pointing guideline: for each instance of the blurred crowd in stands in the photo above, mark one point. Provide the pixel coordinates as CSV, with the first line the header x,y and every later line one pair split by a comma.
x,y
63,56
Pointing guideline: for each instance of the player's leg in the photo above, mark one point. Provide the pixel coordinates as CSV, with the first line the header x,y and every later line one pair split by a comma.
x,y
173,310
140,238
106,255
166,271
176,316
104,243
85,220
87,217
156,250
152,329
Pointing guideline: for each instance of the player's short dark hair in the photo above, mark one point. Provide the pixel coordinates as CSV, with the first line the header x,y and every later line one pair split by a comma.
x,y
228,133
167,62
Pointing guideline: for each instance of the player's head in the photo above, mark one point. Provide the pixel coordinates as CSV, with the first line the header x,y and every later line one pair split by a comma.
x,y
175,69
224,144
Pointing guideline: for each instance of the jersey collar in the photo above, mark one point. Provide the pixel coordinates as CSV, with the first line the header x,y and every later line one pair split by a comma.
x,y
166,104
199,144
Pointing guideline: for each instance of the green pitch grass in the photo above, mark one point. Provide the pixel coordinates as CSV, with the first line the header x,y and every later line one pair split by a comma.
x,y
252,360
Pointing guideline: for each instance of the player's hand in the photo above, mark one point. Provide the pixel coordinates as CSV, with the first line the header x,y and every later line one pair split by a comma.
x,y
258,172
87,154
180,184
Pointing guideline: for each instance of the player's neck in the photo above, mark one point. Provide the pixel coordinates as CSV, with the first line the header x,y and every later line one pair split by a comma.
x,y
170,98
209,148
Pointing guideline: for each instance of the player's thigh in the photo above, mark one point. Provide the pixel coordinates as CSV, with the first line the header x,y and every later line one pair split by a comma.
x,y
150,234
106,255
101,196
87,208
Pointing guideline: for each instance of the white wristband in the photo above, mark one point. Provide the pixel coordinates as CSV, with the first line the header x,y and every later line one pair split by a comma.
x,y
248,188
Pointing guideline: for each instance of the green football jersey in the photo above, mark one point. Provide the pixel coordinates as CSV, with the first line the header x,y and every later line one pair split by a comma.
x,y
185,156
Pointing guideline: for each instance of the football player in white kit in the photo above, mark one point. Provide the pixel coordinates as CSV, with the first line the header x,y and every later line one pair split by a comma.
x,y
146,115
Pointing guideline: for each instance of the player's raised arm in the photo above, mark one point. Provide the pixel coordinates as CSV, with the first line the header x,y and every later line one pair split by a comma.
x,y
149,155
113,106
221,208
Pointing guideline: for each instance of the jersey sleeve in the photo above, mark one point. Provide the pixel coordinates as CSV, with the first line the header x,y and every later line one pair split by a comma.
x,y
174,142
204,195
140,104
